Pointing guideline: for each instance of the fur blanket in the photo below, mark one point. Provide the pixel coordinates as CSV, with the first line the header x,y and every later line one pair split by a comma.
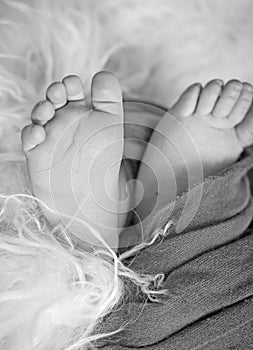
x,y
155,48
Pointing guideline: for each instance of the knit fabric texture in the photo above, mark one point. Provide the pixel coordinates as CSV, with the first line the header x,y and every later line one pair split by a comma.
x,y
208,268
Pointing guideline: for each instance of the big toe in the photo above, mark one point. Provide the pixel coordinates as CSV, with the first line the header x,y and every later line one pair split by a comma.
x,y
187,102
244,130
106,95
242,105
227,99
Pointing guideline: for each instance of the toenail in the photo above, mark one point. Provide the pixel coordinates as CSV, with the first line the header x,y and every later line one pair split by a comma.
x,y
248,87
219,82
236,86
198,85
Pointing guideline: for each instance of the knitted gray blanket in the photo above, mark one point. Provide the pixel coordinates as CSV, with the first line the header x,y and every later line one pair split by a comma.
x,y
208,268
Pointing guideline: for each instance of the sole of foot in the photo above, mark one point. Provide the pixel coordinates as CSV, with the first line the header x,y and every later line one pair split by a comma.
x,y
74,153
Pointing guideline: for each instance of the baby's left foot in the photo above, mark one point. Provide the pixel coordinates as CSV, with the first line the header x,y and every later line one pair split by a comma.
x,y
203,133
74,155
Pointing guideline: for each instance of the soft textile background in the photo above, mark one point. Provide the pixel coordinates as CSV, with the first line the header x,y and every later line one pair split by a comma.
x,y
156,48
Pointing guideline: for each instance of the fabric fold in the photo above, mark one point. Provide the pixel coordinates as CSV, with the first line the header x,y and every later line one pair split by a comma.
x,y
208,268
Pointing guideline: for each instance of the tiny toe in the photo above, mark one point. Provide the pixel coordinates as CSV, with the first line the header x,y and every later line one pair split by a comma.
x,y
32,135
187,102
244,130
74,88
56,93
42,112
227,99
106,95
209,96
242,106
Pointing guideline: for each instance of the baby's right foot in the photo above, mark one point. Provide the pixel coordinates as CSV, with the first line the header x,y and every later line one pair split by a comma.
x,y
204,132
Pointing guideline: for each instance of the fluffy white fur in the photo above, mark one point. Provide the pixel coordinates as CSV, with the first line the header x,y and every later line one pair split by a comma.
x,y
156,48
52,293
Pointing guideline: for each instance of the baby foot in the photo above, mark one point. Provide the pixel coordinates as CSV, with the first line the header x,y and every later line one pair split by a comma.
x,y
204,132
74,155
